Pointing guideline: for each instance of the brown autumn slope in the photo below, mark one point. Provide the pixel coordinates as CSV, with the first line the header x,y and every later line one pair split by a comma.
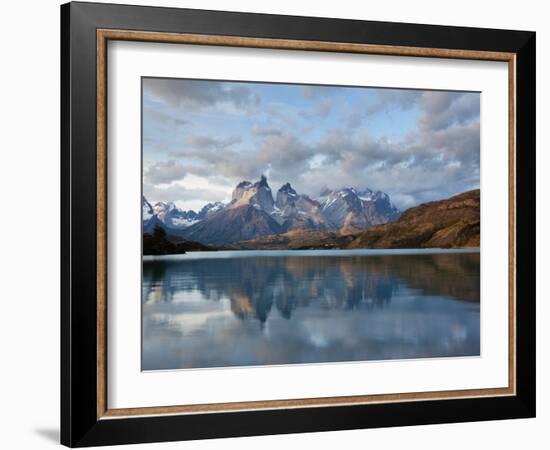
x,y
295,240
450,223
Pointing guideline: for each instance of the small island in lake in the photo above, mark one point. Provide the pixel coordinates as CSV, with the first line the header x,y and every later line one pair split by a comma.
x,y
158,242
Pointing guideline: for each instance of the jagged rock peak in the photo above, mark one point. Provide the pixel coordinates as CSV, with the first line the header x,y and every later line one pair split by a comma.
x,y
172,216
287,188
209,209
244,184
147,212
350,208
147,208
262,182
286,196
257,195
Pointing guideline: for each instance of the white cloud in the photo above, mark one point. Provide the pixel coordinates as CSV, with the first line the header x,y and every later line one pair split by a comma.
x,y
161,172
440,157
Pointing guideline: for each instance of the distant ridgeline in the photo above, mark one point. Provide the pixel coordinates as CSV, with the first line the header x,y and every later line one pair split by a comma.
x,y
343,218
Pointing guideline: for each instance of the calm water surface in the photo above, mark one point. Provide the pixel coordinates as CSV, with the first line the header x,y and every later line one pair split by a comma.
x,y
239,308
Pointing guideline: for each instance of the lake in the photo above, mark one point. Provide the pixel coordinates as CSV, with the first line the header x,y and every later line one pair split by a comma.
x,y
235,308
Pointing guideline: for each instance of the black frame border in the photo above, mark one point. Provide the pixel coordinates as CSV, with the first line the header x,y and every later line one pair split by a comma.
x,y
79,423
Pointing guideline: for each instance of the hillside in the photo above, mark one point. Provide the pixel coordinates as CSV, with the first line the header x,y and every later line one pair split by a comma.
x,y
450,223
232,225
295,240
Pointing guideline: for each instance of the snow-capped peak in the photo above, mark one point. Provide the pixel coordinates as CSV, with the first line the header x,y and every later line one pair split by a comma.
x,y
147,209
257,194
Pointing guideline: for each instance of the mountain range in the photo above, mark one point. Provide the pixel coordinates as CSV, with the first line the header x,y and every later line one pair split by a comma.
x,y
254,212
448,223
453,222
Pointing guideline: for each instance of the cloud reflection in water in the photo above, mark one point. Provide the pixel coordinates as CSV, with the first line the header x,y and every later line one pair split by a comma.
x,y
263,309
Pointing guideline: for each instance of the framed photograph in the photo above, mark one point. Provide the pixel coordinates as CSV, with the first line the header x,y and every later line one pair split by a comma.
x,y
277,224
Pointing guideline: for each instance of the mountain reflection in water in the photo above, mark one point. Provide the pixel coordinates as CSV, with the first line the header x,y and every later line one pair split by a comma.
x,y
297,307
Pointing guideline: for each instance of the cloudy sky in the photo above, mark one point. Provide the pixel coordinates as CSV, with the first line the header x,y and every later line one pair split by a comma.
x,y
201,138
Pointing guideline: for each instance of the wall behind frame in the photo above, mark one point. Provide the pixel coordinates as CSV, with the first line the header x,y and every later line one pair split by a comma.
x,y
29,174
